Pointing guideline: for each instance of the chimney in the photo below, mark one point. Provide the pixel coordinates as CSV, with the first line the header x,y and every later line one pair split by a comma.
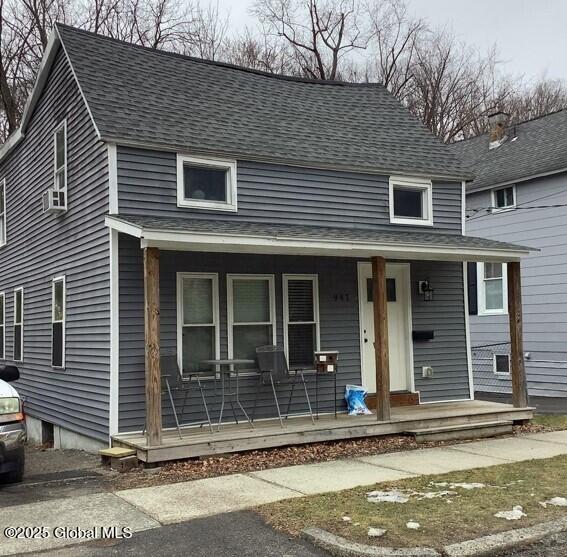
x,y
498,125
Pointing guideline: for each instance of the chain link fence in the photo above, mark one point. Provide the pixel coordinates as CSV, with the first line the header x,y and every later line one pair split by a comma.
x,y
491,371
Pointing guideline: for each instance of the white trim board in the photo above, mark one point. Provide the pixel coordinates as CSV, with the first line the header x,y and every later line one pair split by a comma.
x,y
114,394
112,179
191,241
468,330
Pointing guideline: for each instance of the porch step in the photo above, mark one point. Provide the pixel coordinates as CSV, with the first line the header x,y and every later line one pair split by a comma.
x,y
464,431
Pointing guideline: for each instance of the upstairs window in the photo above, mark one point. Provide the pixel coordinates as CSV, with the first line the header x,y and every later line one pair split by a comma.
x,y
503,198
206,183
492,288
411,201
58,322
3,238
60,171
18,324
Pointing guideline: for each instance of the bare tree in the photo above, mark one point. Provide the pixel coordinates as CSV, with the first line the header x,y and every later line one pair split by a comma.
x,y
320,32
392,49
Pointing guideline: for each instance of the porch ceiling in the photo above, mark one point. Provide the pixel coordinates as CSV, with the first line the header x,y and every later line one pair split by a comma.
x,y
190,234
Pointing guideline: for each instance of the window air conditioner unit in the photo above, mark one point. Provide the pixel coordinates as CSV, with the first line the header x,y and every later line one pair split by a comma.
x,y
54,201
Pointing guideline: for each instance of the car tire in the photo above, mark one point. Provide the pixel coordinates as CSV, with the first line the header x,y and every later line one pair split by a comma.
x,y
17,475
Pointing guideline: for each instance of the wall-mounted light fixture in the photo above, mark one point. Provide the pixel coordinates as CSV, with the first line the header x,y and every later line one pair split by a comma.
x,y
424,288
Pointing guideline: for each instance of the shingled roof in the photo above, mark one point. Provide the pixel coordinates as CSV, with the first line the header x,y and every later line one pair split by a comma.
x,y
145,96
533,148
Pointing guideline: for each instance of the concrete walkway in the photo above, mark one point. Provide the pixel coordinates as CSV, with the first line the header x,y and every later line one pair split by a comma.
x,y
151,507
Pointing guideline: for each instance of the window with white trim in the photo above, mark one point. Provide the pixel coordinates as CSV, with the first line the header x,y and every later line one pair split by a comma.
x,y
411,201
251,314
492,288
60,164
19,324
301,319
2,326
503,198
198,320
3,237
206,183
501,364
58,311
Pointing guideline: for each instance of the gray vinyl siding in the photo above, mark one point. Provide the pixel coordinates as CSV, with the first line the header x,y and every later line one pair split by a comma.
x,y
544,284
339,326
445,315
42,246
147,185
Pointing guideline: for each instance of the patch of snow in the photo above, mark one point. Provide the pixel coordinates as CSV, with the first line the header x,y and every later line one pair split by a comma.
x,y
515,514
555,501
436,494
375,532
347,519
387,497
412,525
462,485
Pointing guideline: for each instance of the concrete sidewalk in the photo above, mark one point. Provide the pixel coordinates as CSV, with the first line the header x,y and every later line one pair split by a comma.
x,y
151,507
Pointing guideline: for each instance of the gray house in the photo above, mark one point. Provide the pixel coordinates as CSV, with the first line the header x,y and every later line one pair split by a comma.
x,y
520,194
156,204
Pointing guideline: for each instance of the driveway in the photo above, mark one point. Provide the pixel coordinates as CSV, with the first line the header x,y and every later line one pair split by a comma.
x,y
55,474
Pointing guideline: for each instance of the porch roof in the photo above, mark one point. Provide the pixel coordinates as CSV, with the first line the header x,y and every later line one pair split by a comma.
x,y
230,235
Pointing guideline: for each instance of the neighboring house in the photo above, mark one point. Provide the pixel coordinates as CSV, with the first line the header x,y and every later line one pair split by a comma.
x,y
520,194
265,199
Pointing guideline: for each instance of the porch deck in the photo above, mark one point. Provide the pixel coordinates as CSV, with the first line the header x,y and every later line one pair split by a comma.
x,y
197,441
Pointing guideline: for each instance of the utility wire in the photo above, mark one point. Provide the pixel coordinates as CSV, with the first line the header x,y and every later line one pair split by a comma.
x,y
490,212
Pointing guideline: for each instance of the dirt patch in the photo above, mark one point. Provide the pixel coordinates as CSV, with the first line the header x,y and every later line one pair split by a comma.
x,y
251,461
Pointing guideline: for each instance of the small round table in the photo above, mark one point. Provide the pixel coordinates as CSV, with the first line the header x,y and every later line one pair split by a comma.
x,y
226,367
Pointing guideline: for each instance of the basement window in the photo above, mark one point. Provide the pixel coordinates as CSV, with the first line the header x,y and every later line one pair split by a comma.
x,y
502,364
411,201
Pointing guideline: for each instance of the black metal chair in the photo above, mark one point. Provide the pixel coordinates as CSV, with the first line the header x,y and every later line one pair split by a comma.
x,y
273,363
175,380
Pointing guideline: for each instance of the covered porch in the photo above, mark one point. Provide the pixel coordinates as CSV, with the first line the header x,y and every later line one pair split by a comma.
x,y
436,333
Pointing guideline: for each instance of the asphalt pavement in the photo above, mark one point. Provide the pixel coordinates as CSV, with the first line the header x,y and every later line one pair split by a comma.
x,y
238,534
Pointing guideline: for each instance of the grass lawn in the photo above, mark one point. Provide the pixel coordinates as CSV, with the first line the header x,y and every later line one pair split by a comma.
x,y
554,421
469,514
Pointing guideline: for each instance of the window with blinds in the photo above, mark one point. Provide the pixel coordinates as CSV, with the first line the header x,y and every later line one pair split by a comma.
x,y
18,324
301,319
251,314
198,326
58,322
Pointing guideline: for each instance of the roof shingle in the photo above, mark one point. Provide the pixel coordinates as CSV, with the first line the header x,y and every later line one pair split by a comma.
x,y
154,97
540,147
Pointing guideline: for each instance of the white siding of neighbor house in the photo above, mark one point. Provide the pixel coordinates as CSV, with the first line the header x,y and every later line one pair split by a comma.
x,y
544,283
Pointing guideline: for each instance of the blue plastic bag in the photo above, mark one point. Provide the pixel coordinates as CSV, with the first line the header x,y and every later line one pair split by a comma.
x,y
354,396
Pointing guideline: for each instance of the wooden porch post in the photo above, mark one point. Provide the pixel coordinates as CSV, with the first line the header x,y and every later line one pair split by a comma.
x,y
381,339
519,383
152,353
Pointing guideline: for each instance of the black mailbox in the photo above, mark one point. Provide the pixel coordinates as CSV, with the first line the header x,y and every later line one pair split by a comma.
x,y
423,335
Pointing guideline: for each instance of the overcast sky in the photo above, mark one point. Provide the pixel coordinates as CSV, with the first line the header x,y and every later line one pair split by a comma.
x,y
531,35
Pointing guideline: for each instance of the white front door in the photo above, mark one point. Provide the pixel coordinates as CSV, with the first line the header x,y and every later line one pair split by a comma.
x,y
399,342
